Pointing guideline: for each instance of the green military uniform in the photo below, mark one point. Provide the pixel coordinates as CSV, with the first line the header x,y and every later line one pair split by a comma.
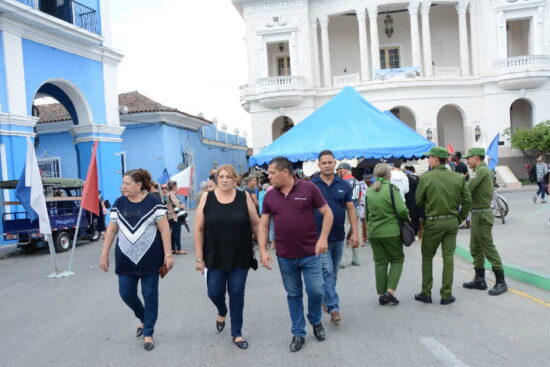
x,y
384,236
481,238
447,201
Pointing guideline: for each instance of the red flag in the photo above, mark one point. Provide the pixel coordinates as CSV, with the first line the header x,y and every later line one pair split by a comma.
x,y
90,193
450,148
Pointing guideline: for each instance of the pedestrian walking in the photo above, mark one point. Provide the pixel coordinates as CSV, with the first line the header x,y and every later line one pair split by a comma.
x,y
399,179
344,171
481,236
292,204
174,205
224,222
383,215
138,221
337,193
447,201
415,212
251,187
541,170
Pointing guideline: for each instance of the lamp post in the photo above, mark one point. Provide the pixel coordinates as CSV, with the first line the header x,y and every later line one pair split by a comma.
x,y
477,132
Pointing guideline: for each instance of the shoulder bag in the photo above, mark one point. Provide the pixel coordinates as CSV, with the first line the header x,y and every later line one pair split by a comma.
x,y
405,229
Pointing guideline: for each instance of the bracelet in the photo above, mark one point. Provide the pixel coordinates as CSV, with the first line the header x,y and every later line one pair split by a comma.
x,y
168,255
199,260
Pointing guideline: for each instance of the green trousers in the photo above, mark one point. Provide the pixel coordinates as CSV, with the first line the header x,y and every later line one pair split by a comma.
x,y
387,252
439,231
481,241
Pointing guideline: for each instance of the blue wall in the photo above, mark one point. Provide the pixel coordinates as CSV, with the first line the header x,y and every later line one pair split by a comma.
x,y
3,87
157,146
60,145
43,63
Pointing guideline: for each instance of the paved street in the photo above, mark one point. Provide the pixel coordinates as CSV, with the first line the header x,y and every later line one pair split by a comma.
x,y
81,321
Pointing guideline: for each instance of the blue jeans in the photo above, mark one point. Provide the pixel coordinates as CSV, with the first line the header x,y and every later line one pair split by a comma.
x,y
542,190
234,281
291,272
127,288
331,261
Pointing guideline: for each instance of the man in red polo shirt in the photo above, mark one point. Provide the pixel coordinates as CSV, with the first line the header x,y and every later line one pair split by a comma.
x,y
292,205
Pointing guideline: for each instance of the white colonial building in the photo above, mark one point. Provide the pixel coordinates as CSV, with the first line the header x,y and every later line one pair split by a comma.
x,y
457,71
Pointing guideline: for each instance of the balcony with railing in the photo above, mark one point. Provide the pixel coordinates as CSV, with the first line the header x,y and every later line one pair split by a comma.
x,y
346,79
68,10
447,71
523,72
280,91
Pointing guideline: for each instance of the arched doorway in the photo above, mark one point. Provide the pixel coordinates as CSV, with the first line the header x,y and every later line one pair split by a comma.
x,y
406,115
521,114
450,127
281,125
59,106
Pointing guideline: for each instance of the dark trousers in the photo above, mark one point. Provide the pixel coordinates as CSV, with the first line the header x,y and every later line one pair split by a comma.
x,y
233,282
175,228
542,190
147,314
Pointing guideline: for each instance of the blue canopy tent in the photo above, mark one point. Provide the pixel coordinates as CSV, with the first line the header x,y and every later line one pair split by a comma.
x,y
350,127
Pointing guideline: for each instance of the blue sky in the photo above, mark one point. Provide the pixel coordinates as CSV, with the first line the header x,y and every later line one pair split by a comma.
x,y
185,54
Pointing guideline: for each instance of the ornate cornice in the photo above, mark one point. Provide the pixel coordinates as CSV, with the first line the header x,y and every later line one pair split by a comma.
x,y
361,14
323,21
19,120
425,7
413,7
373,11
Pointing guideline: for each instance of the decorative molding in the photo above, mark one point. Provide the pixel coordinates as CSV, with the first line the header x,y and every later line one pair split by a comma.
x,y
276,30
461,7
223,145
473,6
96,129
313,23
413,7
276,21
19,120
77,46
105,139
54,127
17,133
175,119
425,7
323,21
373,11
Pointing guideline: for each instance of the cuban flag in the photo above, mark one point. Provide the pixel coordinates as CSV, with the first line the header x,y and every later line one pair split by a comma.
x,y
30,191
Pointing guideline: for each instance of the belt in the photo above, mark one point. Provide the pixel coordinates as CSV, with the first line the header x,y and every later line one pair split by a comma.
x,y
441,217
481,210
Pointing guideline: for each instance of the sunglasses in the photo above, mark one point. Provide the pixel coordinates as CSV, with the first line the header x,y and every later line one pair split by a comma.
x,y
163,188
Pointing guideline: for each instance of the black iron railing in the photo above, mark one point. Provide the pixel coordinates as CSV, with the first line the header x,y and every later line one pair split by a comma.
x,y
68,10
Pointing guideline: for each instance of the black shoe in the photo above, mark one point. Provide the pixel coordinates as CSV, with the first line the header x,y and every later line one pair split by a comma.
x,y
382,300
423,298
148,346
319,332
220,325
498,289
243,344
478,282
391,298
139,332
296,343
448,301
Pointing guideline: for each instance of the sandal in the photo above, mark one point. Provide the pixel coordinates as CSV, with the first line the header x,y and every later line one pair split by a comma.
x,y
243,344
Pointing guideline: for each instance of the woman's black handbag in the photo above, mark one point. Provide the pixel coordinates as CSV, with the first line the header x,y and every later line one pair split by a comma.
x,y
405,228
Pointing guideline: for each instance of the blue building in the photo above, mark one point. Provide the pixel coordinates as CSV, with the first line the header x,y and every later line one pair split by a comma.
x,y
59,49
155,137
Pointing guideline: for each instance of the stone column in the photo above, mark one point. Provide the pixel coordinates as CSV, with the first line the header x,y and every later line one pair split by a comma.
x,y
426,38
474,27
363,46
316,77
415,36
327,70
461,9
374,43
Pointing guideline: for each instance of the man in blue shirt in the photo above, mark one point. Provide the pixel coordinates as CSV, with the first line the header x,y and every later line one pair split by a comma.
x,y
337,193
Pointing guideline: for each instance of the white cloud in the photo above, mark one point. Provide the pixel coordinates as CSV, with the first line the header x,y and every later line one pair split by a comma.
x,y
185,54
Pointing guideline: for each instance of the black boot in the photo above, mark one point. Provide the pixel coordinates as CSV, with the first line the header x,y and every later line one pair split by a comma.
x,y
500,287
478,282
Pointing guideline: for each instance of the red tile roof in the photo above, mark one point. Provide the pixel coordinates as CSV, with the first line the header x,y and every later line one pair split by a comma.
x,y
134,101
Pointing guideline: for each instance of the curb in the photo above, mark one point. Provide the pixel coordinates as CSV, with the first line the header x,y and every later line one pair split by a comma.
x,y
513,271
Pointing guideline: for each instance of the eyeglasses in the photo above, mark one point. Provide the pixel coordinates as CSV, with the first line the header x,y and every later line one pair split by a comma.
x,y
163,188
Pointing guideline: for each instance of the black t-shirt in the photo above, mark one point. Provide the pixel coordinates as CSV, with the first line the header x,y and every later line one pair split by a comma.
x,y
462,169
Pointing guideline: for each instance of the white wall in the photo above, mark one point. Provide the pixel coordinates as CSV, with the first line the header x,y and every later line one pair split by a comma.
x,y
518,37
444,35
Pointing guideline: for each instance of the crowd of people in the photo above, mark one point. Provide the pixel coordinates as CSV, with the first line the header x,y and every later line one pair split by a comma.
x,y
309,222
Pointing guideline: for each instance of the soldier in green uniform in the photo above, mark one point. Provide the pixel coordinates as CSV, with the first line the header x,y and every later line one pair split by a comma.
x,y
446,200
481,237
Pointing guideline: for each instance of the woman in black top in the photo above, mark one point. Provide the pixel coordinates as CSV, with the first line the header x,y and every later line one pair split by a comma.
x,y
143,246
224,222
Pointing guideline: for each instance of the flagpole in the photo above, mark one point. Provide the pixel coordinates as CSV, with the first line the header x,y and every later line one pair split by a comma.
x,y
69,271
56,273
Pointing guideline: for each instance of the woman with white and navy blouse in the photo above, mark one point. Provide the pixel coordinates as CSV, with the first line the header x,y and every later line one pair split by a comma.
x,y
138,220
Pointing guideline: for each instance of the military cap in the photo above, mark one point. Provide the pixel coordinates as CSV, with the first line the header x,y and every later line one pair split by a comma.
x,y
475,151
437,152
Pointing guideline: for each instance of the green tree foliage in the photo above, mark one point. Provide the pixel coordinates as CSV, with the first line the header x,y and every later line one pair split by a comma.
x,y
531,142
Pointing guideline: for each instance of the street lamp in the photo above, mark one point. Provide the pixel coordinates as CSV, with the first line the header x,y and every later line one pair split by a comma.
x,y
477,131
429,134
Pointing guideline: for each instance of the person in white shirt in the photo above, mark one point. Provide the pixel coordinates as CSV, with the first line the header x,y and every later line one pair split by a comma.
x,y
399,178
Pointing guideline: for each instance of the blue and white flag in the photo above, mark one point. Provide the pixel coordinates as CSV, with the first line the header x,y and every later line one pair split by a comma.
x,y
164,177
30,191
492,152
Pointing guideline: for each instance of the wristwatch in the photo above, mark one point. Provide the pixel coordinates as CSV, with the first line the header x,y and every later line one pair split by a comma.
x,y
199,260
